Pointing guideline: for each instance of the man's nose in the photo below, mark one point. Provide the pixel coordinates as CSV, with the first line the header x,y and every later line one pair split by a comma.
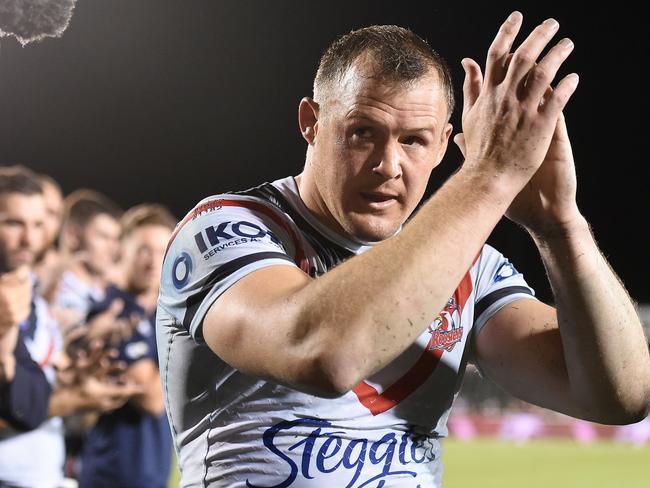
x,y
390,165
32,237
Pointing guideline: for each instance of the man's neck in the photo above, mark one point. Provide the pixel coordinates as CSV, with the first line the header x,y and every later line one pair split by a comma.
x,y
313,200
81,271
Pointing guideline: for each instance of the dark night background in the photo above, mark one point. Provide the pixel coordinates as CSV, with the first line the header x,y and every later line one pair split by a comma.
x,y
165,101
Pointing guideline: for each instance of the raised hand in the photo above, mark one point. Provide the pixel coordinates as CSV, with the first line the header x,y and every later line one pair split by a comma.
x,y
15,298
509,117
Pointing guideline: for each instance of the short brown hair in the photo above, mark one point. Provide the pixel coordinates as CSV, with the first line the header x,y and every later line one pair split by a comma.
x,y
81,206
19,179
399,55
146,214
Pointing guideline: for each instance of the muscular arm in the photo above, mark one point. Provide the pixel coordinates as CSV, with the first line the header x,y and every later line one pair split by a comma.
x,y
325,335
590,359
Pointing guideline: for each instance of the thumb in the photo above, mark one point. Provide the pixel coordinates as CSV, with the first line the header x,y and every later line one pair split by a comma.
x,y
17,276
116,307
23,273
459,139
472,84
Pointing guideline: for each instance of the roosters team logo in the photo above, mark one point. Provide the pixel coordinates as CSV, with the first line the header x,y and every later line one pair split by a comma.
x,y
444,332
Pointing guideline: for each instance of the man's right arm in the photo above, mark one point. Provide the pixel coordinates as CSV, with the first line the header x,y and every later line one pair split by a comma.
x,y
323,336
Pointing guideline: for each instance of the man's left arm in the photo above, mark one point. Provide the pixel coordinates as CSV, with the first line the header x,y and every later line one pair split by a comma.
x,y
589,358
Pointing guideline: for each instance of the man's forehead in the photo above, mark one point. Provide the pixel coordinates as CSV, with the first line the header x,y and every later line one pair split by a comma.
x,y
359,89
23,208
18,201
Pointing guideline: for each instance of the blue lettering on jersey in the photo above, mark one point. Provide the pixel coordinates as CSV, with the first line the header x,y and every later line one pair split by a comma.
x,y
230,230
337,451
181,270
506,270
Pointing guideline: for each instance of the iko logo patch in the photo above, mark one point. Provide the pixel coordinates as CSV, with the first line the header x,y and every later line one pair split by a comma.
x,y
216,238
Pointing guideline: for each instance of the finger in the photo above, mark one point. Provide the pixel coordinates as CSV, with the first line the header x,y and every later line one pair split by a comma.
x,y
506,62
527,53
472,84
17,276
500,47
559,98
459,139
116,307
542,74
74,334
546,96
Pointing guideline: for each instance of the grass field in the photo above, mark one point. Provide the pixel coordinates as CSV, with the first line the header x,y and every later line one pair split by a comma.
x,y
545,464
541,464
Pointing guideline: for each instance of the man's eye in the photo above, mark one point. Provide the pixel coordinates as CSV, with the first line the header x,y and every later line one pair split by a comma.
x,y
412,140
363,132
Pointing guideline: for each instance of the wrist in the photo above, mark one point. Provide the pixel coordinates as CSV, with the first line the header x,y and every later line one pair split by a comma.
x,y
562,229
495,185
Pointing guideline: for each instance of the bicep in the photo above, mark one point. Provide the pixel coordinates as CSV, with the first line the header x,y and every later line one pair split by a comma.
x,y
520,348
254,325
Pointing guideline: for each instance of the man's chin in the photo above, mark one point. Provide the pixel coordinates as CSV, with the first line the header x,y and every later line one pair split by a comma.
x,y
372,229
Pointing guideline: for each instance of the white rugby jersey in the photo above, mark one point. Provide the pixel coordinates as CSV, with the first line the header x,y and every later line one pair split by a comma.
x,y
234,430
36,458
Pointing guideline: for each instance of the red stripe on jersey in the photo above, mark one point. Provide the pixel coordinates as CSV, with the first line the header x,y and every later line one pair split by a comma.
x,y
300,259
425,365
48,354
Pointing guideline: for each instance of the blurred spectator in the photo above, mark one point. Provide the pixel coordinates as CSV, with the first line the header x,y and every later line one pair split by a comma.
x,y
35,458
89,248
23,214
48,264
132,446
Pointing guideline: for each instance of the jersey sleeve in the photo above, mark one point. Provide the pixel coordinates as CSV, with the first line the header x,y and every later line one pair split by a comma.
x,y
498,283
218,243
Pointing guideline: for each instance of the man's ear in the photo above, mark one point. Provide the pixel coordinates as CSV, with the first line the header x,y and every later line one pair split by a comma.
x,y
308,119
71,234
444,141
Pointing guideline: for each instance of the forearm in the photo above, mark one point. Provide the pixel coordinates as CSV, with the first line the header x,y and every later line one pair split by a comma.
x,y
605,349
150,401
369,309
144,373
67,400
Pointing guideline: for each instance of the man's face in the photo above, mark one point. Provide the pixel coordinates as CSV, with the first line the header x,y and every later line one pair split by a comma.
x,y
100,244
53,212
22,229
374,149
143,251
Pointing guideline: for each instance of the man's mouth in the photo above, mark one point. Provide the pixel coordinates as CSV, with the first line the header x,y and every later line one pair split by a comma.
x,y
379,200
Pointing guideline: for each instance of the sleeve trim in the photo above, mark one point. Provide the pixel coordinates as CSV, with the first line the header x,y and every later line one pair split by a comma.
x,y
484,303
193,303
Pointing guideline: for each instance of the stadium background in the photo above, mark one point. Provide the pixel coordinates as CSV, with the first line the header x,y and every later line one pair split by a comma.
x,y
171,101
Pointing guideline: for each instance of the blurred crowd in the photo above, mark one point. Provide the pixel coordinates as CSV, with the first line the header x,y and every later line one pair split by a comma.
x,y
482,409
80,395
